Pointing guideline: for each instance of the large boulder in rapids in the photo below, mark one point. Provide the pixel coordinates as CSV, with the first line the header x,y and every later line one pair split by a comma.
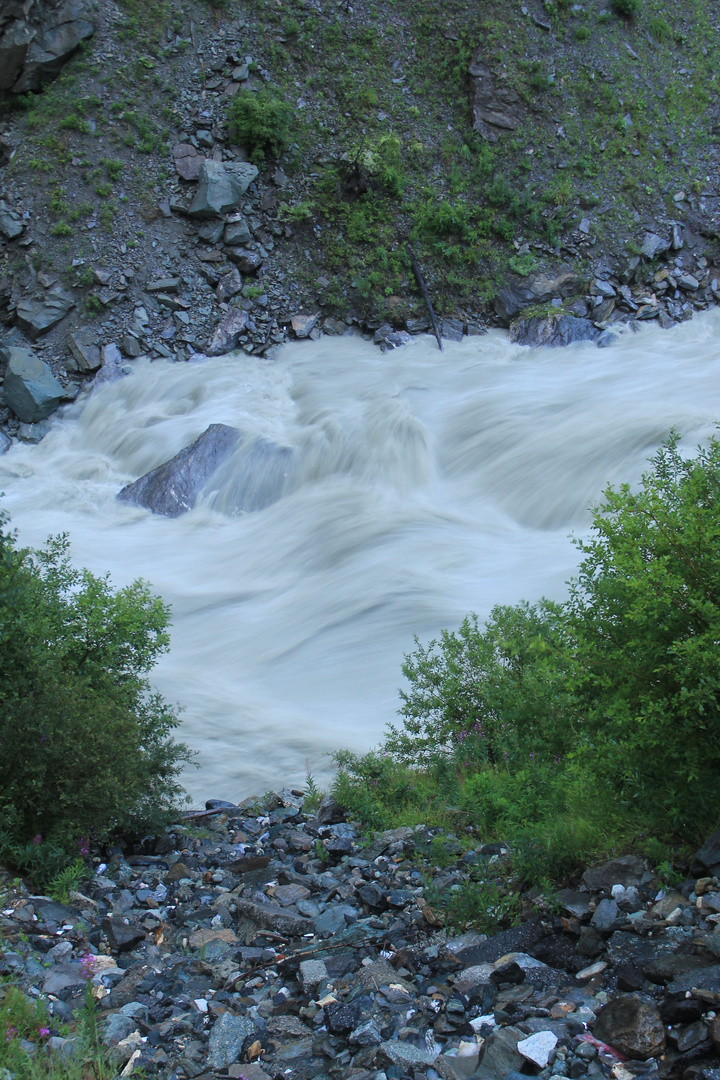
x,y
173,488
256,478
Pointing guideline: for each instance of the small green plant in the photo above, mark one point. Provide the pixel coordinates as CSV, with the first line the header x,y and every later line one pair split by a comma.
x,y
260,122
61,228
93,304
67,881
660,29
313,794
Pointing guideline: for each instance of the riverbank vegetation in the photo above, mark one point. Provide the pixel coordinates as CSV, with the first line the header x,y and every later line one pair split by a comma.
x,y
580,729
85,747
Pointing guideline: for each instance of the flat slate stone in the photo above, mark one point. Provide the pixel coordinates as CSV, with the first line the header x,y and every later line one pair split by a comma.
x,y
226,1040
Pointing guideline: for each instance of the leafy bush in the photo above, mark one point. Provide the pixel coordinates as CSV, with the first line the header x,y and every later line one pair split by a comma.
x,y
645,611
86,747
260,121
575,729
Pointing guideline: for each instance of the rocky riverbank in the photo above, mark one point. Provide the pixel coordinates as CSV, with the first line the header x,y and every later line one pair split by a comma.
x,y
266,940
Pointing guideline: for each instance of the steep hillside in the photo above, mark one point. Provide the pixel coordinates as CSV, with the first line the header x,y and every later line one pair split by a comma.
x,y
507,142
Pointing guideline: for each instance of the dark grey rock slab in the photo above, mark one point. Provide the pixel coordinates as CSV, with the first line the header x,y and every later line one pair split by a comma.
x,y
31,390
172,488
36,315
555,331
221,185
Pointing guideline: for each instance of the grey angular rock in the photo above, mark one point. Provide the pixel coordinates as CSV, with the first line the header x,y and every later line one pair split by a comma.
x,y
707,858
237,231
405,1055
123,937
221,186
273,917
538,1048
84,350
605,916
14,45
188,162
229,285
227,333
452,329
5,442
36,315
226,1040
537,289
312,973
31,390
173,487
61,31
11,223
497,109
117,1027
632,1026
555,331
654,246
249,262
303,324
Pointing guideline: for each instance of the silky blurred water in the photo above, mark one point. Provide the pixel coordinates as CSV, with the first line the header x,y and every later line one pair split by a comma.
x,y
425,485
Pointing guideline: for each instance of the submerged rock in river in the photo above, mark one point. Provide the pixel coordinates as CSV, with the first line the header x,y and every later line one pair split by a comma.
x,y
173,487
256,479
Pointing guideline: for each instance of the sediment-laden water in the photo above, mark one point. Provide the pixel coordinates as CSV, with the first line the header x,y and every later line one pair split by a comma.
x,y
424,486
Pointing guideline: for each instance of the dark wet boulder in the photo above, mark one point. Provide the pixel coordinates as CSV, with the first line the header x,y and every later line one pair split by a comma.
x,y
172,488
255,478
707,860
554,331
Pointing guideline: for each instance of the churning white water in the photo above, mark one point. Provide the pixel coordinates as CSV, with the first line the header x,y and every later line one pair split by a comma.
x,y
426,485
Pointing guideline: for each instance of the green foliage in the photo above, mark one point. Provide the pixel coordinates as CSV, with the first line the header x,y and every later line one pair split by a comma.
x,y
313,794
67,881
645,610
574,730
25,1027
260,121
627,9
86,747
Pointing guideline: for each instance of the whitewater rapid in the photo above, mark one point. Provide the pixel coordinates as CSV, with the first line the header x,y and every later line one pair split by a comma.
x,y
427,485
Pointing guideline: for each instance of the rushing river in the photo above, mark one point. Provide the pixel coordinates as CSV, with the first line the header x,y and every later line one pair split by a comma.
x,y
428,485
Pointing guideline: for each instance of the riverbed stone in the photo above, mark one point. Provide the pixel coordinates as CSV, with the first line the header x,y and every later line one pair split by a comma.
x,y
30,388
226,1040
632,1026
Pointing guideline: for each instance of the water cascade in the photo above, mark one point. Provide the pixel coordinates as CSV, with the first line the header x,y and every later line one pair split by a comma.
x,y
419,486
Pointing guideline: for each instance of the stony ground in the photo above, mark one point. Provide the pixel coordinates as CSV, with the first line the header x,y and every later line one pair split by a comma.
x,y
266,940
542,158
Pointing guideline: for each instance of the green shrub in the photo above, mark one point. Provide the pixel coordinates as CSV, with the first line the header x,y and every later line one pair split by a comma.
x,y
626,8
645,611
574,730
86,747
260,121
